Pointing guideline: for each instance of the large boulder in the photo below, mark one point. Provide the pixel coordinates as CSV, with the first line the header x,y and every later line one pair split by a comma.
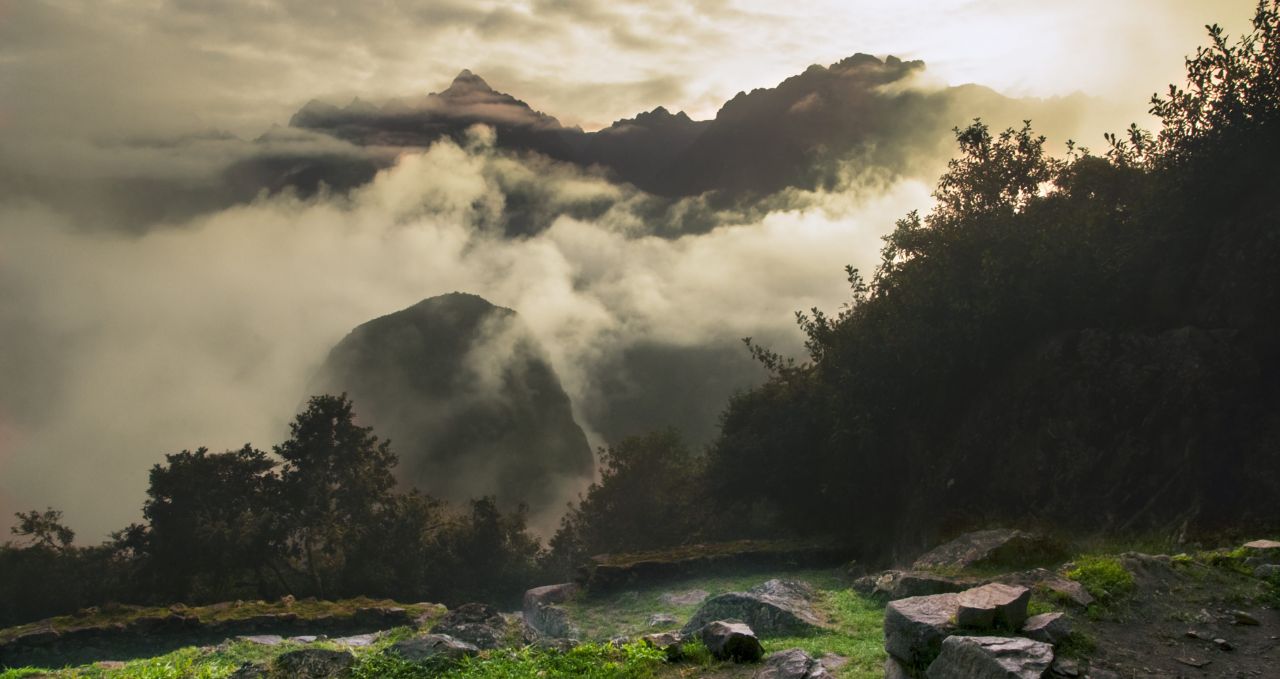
x,y
478,624
731,640
542,614
773,608
997,547
432,647
993,605
313,663
792,663
915,627
991,658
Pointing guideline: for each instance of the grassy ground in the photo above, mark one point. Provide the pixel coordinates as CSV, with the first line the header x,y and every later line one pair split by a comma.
x,y
856,634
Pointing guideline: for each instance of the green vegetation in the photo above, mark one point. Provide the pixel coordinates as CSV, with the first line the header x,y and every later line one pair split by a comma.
x,y
857,634
1104,577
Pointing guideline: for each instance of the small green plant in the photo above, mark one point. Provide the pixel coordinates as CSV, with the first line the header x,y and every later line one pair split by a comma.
x,y
1104,576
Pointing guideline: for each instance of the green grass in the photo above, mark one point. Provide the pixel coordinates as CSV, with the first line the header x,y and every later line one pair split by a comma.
x,y
625,613
857,634
1104,577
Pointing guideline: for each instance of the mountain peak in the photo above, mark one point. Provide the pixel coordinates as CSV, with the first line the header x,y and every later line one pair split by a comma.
x,y
467,82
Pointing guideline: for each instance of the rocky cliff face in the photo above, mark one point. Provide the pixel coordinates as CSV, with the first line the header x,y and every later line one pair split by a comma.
x,y
469,400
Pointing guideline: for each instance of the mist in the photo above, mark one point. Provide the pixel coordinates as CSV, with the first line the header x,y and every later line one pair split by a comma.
x,y
148,306
125,347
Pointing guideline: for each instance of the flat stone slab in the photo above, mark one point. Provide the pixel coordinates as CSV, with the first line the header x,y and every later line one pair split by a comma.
x,y
991,658
990,605
1051,628
915,627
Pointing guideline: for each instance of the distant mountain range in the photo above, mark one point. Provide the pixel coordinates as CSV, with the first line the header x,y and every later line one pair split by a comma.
x,y
797,134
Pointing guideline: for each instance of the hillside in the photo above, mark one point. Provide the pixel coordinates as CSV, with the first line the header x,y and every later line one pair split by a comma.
x,y
468,398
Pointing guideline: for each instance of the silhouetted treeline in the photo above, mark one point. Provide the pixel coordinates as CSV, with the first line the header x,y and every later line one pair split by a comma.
x,y
1090,342
319,516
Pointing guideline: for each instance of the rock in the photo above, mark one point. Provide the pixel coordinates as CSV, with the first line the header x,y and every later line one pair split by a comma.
x,y
915,627
1264,548
432,646
249,670
734,641
1069,591
893,585
543,616
688,598
792,663
893,669
670,643
785,589
313,663
358,640
1051,628
1223,645
386,616
991,658
661,620
1065,667
1243,618
773,608
999,547
37,637
478,624
994,604
263,639
1267,572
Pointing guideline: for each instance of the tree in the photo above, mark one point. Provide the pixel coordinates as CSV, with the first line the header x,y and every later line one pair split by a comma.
x,y
211,517
43,530
335,481
644,500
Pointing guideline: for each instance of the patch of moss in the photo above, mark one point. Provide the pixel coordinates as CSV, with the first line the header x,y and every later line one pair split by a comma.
x,y
1104,577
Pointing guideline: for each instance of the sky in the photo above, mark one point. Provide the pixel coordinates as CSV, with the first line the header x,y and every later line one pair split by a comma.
x,y
119,346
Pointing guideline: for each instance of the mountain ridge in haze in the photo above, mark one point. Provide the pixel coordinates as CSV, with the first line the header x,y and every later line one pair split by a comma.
x,y
469,400
798,134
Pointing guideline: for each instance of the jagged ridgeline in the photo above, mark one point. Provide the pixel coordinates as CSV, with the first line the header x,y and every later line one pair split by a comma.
x,y
797,134
469,400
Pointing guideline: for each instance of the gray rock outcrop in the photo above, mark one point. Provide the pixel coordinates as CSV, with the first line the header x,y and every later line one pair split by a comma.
x,y
773,608
543,615
993,605
729,640
429,647
991,658
915,627
313,663
478,624
997,547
